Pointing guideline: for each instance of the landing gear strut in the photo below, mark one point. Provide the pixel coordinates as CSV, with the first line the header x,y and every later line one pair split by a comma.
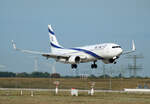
x,y
74,66
94,65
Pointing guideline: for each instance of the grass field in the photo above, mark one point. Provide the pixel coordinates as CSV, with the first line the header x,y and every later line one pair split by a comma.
x,y
47,97
67,83
65,98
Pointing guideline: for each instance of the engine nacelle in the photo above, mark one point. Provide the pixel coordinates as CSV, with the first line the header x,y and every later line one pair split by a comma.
x,y
108,61
74,60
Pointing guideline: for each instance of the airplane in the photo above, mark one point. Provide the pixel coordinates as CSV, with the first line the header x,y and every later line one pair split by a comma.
x,y
107,52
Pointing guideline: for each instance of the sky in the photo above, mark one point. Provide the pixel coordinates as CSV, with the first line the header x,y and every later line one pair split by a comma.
x,y
76,23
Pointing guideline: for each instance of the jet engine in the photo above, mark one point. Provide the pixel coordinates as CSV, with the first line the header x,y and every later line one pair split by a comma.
x,y
74,60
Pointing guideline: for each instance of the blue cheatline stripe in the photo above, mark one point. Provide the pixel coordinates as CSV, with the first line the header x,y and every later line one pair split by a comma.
x,y
51,31
82,50
53,45
88,52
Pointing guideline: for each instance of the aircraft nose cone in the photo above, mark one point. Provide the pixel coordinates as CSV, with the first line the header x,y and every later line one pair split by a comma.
x,y
120,51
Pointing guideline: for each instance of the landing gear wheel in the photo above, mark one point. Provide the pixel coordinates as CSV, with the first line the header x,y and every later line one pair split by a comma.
x,y
94,66
74,66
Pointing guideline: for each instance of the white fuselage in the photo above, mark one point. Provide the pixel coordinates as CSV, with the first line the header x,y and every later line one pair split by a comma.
x,y
104,52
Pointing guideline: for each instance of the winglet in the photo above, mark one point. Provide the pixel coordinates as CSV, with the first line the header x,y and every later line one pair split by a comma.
x,y
14,45
133,46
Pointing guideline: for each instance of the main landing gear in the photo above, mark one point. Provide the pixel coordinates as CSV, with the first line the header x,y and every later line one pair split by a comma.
x,y
74,66
94,65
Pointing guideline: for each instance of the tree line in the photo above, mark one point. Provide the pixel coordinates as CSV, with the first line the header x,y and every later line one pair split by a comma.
x,y
56,75
33,74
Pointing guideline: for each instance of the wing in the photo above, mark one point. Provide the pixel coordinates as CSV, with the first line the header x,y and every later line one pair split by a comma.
x,y
133,49
47,55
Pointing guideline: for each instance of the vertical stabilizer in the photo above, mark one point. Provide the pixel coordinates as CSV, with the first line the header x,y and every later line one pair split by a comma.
x,y
55,47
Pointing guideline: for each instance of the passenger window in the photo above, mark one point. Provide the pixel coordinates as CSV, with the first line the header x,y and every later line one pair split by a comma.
x,y
95,47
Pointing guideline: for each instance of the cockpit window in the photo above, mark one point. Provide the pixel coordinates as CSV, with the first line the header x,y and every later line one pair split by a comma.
x,y
116,47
